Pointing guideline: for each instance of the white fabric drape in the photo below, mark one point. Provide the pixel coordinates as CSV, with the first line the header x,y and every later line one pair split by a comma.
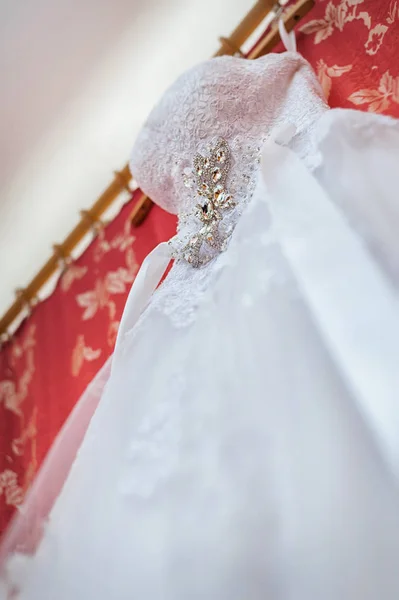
x,y
252,453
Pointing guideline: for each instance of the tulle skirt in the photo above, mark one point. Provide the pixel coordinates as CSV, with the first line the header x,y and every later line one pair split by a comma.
x,y
253,453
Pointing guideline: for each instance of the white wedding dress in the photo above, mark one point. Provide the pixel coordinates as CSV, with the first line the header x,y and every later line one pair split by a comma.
x,y
246,445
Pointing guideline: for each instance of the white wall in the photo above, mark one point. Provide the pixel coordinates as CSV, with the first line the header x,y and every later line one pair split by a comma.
x,y
78,79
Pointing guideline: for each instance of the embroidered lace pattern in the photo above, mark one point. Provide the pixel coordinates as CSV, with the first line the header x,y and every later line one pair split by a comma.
x,y
227,98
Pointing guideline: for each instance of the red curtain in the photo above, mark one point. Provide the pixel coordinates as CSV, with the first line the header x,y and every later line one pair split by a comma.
x,y
64,343
352,45
44,370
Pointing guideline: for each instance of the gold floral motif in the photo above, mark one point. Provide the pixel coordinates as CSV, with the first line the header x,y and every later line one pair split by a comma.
x,y
82,353
378,100
375,39
114,282
13,493
374,26
336,17
12,394
71,274
326,73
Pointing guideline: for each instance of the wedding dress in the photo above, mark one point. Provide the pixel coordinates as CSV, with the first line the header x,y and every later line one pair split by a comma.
x,y
246,444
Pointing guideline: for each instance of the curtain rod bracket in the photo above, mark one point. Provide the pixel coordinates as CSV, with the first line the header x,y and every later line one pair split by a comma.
x,y
229,47
63,258
124,181
26,300
96,225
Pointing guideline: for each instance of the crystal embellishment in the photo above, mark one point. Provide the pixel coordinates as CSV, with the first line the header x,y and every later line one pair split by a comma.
x,y
221,156
210,173
216,175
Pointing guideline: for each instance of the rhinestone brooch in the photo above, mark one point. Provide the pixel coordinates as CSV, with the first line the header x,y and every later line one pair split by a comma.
x,y
210,174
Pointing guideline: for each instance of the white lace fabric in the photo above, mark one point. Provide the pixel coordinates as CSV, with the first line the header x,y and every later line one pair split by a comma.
x,y
235,99
241,102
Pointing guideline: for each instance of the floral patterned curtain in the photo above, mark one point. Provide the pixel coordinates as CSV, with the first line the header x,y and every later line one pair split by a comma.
x,y
352,46
64,343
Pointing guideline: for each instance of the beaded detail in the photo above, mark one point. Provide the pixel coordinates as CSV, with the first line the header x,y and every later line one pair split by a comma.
x,y
210,235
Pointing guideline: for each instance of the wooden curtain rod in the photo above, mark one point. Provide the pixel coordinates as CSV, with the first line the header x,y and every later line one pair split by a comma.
x,y
291,17
89,218
122,178
247,26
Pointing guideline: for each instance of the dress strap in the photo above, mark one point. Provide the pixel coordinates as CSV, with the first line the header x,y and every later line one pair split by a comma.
x,y
288,39
146,282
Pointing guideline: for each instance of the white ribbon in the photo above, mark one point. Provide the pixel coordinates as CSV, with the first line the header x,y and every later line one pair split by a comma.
x,y
355,307
288,39
146,282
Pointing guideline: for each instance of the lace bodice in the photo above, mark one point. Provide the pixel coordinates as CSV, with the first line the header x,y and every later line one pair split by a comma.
x,y
231,98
